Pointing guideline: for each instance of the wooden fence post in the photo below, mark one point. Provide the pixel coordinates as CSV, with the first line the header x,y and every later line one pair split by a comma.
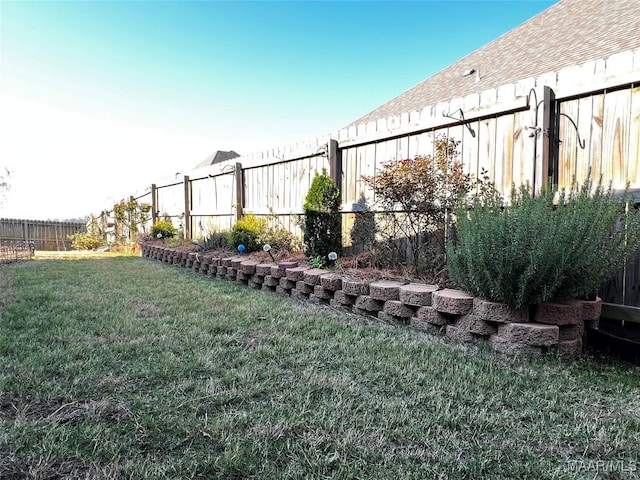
x,y
334,155
187,208
548,102
335,164
154,204
239,174
130,223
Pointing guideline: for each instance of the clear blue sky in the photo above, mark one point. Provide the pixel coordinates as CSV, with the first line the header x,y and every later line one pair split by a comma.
x,y
100,99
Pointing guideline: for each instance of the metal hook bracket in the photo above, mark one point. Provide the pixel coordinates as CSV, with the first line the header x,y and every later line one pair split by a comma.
x,y
581,141
461,119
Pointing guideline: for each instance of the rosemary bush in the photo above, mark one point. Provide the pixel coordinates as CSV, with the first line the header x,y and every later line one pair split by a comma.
x,y
214,240
553,246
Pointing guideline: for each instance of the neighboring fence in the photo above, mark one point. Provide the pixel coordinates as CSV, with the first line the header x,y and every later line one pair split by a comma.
x,y
539,130
43,235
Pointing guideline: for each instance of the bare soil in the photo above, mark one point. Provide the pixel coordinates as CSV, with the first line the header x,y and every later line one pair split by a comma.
x,y
359,267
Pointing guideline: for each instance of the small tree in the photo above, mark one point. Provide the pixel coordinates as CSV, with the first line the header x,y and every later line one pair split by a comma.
x,y
322,219
129,218
415,196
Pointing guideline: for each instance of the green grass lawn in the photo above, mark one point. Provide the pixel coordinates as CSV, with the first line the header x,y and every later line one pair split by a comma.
x,y
128,368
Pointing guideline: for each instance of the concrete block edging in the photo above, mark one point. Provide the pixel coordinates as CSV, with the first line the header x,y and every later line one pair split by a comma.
x,y
556,327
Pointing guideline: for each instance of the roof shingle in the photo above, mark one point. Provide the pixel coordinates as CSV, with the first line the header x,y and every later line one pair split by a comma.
x,y
570,32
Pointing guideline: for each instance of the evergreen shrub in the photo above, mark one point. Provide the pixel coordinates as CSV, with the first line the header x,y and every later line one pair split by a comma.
x,y
552,246
163,229
248,231
322,218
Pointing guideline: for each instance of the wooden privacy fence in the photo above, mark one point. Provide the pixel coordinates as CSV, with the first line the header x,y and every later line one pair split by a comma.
x,y
214,199
43,234
547,129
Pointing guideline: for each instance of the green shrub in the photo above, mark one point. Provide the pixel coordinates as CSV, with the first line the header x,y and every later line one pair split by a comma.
x,y
86,241
537,249
363,232
163,229
280,240
248,231
322,219
214,240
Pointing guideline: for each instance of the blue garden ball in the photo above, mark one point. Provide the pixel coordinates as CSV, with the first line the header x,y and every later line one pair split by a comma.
x,y
241,249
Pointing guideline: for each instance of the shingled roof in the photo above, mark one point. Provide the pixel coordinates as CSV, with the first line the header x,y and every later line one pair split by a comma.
x,y
217,157
568,33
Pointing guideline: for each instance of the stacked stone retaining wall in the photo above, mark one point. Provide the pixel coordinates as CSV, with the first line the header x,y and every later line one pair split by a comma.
x,y
550,327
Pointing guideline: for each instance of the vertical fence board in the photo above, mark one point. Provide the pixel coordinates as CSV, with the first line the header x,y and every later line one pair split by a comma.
x,y
402,148
632,282
584,121
487,148
615,139
413,146
285,192
568,144
470,139
504,153
355,181
380,159
523,147
364,192
633,159
249,187
349,159
457,134
613,290
290,186
425,143
382,154
278,176
595,142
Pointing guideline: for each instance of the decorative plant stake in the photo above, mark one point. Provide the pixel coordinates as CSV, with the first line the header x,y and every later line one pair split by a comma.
x,y
267,248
